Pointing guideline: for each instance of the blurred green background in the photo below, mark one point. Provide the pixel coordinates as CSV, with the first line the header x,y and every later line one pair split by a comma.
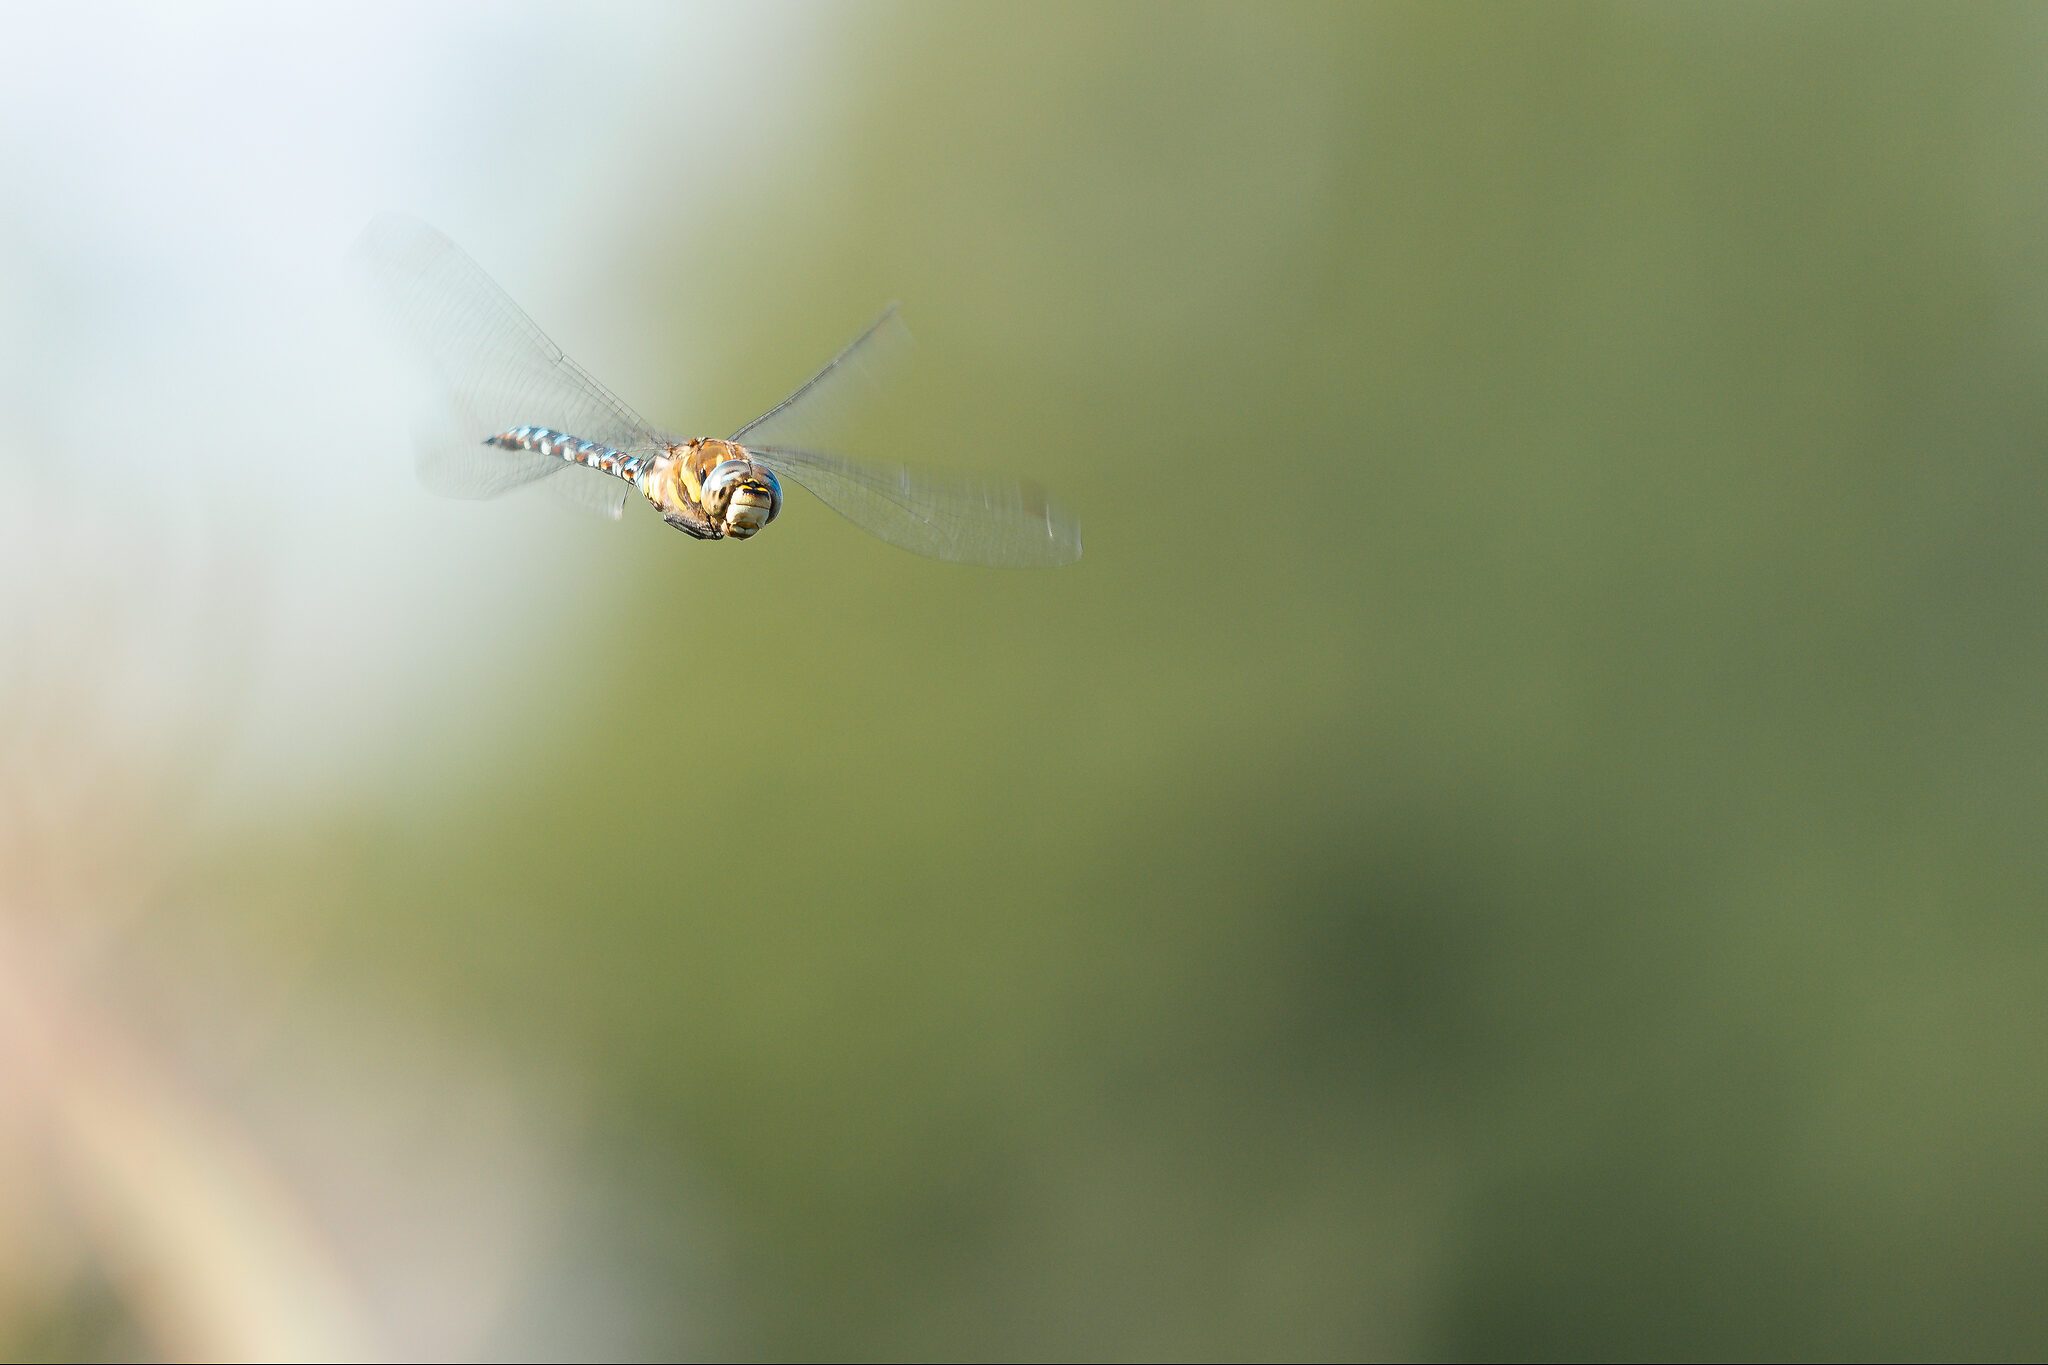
x,y
1521,837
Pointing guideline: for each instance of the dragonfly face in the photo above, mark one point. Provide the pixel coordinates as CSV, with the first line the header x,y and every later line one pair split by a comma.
x,y
739,495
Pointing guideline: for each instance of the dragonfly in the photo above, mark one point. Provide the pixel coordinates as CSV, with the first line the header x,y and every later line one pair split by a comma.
x,y
513,410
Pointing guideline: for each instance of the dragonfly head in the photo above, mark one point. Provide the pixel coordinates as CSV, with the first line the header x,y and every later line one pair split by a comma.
x,y
741,497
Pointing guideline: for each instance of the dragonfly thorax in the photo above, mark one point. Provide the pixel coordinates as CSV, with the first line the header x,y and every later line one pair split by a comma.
x,y
712,489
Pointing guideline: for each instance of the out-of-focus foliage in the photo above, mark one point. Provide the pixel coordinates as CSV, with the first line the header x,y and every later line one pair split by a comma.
x,y
1519,839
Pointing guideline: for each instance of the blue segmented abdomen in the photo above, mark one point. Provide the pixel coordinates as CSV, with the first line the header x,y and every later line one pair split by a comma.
x,y
542,441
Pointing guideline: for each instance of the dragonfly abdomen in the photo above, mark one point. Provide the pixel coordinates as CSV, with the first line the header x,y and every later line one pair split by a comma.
x,y
543,441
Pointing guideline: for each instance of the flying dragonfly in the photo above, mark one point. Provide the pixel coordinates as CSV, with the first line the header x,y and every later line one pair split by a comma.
x,y
516,411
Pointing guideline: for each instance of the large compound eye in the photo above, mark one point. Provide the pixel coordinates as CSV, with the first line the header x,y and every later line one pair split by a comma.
x,y
719,483
767,476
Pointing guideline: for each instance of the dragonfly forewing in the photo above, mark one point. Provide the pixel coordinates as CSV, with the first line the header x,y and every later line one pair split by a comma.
x,y
493,370
966,518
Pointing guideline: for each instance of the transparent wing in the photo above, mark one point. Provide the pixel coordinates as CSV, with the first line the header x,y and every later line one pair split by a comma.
x,y
494,370
972,519
815,415
968,518
454,465
590,490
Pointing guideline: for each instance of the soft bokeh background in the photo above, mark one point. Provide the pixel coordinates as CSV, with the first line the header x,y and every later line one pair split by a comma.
x,y
1523,836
